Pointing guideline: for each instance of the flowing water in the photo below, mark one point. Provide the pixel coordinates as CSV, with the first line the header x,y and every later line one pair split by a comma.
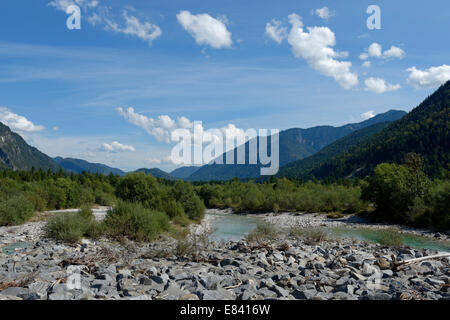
x,y
236,227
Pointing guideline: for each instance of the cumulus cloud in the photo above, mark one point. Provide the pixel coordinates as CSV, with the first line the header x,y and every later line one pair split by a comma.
x,y
275,31
162,127
205,29
116,147
17,122
375,50
379,85
430,77
367,64
324,13
367,115
315,46
146,31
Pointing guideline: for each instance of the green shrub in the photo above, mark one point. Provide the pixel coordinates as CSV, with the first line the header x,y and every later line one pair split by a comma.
x,y
184,193
135,221
71,227
173,209
138,187
15,210
86,212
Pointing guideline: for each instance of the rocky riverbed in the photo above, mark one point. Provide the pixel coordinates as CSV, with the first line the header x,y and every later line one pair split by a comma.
x,y
32,267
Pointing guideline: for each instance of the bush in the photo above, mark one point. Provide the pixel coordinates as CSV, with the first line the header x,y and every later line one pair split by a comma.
x,y
264,231
86,212
15,210
71,227
136,222
184,193
310,235
138,187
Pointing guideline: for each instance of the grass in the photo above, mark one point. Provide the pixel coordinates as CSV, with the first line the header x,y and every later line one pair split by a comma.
x,y
264,231
310,235
390,238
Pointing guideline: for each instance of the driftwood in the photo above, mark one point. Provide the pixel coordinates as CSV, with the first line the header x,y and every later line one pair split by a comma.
x,y
397,265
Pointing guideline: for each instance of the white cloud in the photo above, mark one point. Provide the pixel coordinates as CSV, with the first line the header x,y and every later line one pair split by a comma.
x,y
394,52
275,31
146,31
367,64
363,56
324,13
97,14
430,77
375,50
162,127
18,123
63,4
315,46
162,160
367,115
379,85
205,29
116,147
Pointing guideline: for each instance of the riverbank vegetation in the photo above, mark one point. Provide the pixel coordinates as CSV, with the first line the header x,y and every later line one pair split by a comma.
x,y
144,207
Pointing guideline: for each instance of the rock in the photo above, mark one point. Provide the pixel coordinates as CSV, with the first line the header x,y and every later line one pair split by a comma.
x,y
15,291
278,257
280,291
5,297
189,296
435,282
383,263
229,262
379,296
304,295
219,294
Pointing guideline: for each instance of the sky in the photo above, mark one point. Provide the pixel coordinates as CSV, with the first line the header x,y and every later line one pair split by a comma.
x,y
114,90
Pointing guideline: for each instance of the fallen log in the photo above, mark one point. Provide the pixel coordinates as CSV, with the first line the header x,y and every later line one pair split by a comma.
x,y
397,265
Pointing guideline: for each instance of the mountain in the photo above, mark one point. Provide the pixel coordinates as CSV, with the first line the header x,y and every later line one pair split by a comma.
x,y
78,166
16,154
301,169
425,130
294,144
183,172
157,173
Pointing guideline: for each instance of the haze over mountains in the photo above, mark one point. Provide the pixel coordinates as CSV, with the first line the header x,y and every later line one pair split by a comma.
x,y
319,152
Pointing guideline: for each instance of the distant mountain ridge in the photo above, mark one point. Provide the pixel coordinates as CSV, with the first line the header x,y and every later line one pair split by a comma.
x,y
183,172
78,166
294,144
425,130
16,154
301,169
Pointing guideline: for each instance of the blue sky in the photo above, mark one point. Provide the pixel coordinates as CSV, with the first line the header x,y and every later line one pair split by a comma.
x,y
216,63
